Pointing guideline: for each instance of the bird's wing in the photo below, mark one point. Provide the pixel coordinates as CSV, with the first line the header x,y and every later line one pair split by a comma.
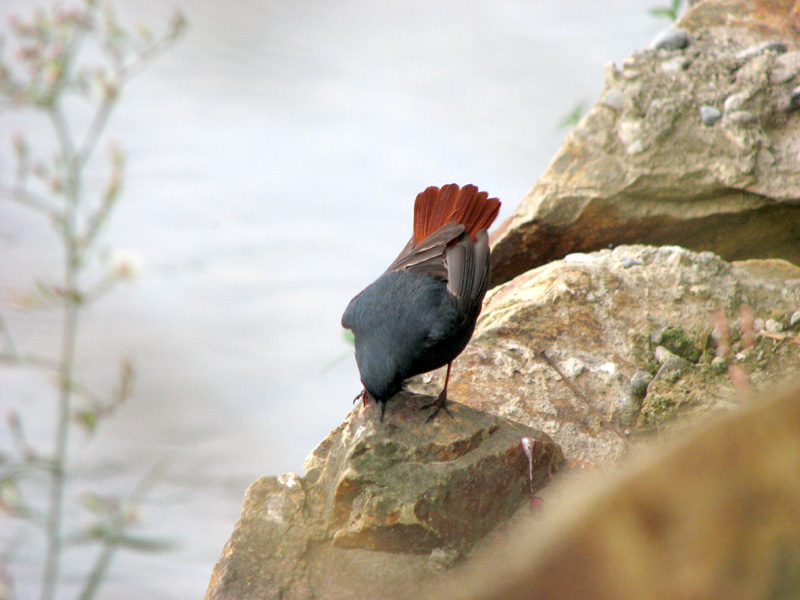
x,y
429,255
467,265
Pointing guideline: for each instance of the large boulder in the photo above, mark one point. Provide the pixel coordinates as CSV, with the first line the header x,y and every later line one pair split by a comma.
x,y
639,334
693,142
383,506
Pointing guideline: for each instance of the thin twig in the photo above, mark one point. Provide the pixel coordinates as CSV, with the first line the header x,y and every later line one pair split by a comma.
x,y
69,338
9,339
781,337
64,135
111,541
123,76
578,394
29,199
95,129
56,509
31,360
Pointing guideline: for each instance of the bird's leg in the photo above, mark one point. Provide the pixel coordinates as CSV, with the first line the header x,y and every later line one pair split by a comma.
x,y
362,395
440,402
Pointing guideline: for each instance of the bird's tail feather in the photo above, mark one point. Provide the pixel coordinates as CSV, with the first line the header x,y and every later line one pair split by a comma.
x,y
435,207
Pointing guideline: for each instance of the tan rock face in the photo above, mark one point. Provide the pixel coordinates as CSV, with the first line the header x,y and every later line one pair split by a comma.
x,y
643,166
601,318
383,506
408,485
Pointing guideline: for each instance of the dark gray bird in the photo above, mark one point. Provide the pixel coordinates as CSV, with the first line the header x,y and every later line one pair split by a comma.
x,y
420,314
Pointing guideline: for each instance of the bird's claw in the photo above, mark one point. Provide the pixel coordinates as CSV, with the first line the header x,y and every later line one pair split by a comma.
x,y
441,404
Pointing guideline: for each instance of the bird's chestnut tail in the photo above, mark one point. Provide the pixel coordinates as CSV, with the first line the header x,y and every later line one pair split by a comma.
x,y
435,207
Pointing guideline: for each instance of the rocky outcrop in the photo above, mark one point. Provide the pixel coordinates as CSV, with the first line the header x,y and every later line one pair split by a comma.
x,y
383,506
634,332
693,142
715,517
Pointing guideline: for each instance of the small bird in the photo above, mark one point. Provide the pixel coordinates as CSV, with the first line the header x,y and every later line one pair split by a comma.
x,y
420,314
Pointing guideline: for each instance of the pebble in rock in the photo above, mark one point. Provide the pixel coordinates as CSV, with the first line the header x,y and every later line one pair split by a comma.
x,y
635,147
773,326
662,355
639,383
441,559
670,363
679,63
743,117
614,99
629,262
785,68
578,258
719,364
573,367
709,115
672,38
772,46
758,325
733,103
794,319
657,336
794,99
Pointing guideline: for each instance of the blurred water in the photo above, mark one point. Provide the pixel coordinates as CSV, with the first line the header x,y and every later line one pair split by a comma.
x,y
273,158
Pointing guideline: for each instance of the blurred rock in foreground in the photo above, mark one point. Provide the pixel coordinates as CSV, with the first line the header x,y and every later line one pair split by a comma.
x,y
714,518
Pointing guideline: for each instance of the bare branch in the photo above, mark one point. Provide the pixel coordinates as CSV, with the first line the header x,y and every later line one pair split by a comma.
x,y
30,199
118,526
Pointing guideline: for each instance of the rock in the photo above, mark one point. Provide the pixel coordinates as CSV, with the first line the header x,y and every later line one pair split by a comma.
x,y
639,382
383,505
719,364
742,117
263,551
794,99
679,63
771,46
603,314
733,103
411,486
713,517
670,361
672,38
794,319
650,171
709,115
614,99
787,66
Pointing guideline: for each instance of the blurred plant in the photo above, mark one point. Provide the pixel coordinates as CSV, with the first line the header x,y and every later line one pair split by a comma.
x,y
67,64
721,333
572,118
670,12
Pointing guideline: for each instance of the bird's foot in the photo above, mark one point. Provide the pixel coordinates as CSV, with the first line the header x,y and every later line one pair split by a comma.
x,y
362,395
440,404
